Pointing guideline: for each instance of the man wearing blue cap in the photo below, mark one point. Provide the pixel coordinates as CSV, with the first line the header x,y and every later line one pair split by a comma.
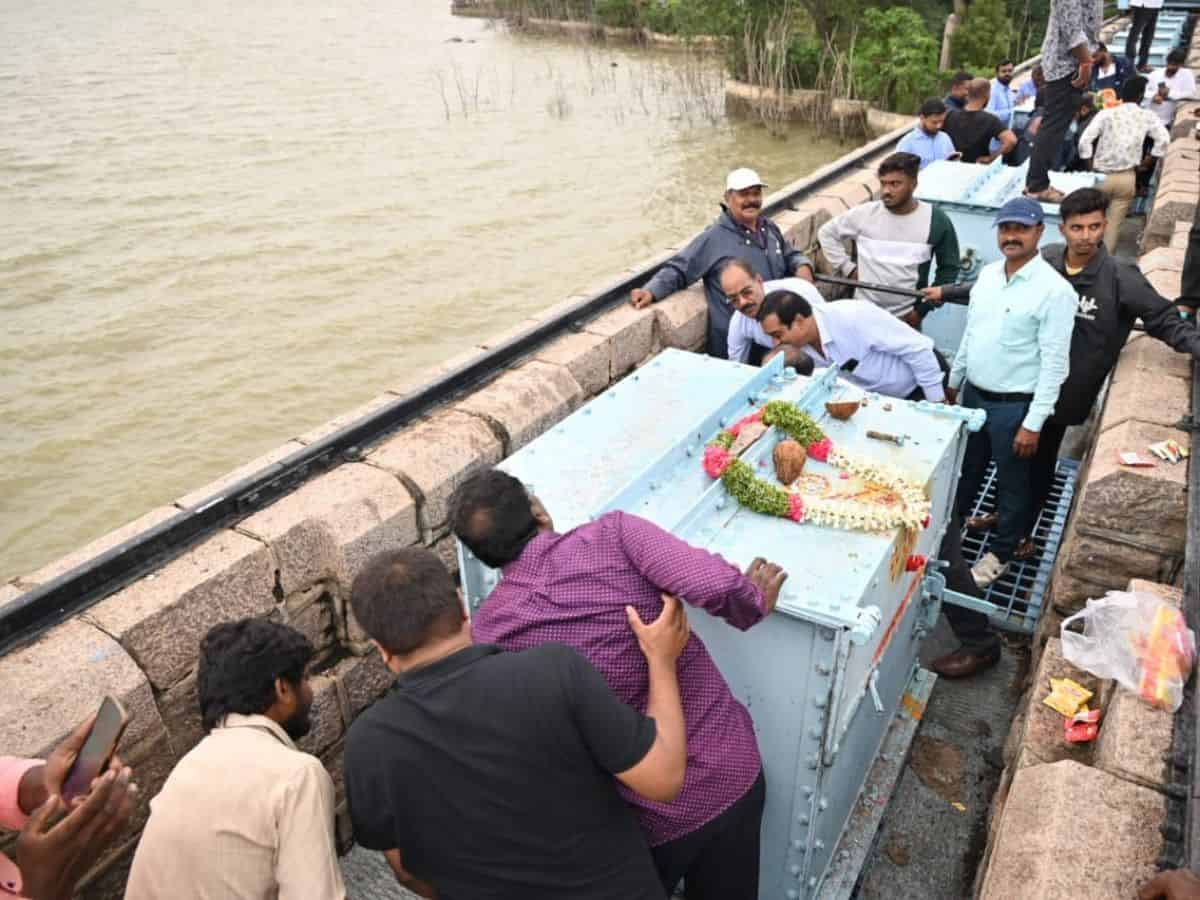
x,y
1011,363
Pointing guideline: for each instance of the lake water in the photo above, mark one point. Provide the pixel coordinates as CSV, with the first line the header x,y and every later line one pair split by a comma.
x,y
224,223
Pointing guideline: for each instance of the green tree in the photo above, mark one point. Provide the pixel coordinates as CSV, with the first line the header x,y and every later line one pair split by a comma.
x,y
895,59
984,38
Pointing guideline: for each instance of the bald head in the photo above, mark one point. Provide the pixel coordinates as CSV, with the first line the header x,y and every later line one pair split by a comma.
x,y
979,90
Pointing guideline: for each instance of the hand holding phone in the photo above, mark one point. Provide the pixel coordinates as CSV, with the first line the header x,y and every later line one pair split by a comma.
x,y
85,755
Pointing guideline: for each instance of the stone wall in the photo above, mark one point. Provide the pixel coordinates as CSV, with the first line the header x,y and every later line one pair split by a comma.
x,y
294,560
1084,818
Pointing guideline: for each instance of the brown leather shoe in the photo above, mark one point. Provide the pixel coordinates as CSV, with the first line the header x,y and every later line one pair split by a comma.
x,y
1026,550
986,522
964,663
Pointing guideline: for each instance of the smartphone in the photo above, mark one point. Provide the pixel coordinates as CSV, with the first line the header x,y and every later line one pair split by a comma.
x,y
97,750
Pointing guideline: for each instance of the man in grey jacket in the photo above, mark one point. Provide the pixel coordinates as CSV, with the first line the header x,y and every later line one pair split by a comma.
x,y
740,231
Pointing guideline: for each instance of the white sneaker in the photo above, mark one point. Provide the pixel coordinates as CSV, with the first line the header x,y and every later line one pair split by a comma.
x,y
987,570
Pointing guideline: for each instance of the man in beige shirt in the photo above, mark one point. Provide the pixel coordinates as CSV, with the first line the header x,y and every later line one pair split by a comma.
x,y
244,815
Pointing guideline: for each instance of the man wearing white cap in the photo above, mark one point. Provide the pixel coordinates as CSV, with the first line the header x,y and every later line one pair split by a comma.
x,y
741,232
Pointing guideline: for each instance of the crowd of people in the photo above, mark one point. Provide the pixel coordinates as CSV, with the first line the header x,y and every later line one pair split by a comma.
x,y
573,739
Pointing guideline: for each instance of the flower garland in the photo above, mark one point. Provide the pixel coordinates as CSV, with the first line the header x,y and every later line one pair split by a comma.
x,y
760,495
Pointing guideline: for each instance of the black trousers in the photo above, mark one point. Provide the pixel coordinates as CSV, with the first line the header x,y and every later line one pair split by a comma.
x,y
1041,471
1142,26
718,861
1061,101
1189,289
971,628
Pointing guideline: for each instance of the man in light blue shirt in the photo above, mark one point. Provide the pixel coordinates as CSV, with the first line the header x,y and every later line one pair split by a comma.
x,y
1011,363
927,141
1000,103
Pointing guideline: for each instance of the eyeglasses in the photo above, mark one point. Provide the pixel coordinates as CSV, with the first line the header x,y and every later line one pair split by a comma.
x,y
746,293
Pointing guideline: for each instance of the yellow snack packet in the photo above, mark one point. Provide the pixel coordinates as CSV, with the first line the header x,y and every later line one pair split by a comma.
x,y
1066,696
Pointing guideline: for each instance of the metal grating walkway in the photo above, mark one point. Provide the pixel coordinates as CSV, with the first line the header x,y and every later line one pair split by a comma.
x,y
1015,601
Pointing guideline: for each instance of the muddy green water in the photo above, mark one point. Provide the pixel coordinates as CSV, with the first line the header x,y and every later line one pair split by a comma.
x,y
224,223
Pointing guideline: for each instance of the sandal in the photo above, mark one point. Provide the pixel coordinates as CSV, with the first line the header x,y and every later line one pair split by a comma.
x,y
1049,195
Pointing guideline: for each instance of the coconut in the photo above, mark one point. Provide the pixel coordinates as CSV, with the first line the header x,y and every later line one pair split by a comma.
x,y
789,457
842,409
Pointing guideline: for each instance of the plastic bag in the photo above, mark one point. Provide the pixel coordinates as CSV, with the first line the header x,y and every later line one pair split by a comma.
x,y
1138,639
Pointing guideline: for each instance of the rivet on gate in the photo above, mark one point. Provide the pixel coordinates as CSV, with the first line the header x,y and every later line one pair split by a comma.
x,y
819,702
813,761
802,819
796,870
806,790
797,845
818,845
822,669
827,634
815,733
812,882
793,895
822,803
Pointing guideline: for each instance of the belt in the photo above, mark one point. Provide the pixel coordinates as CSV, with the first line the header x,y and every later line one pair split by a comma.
x,y
1001,398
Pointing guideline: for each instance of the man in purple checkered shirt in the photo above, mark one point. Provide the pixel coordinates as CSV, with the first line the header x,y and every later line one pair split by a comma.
x,y
573,588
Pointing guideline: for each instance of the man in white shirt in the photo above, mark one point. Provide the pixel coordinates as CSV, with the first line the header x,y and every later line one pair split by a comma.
x,y
1117,137
1145,19
745,289
1169,85
875,350
245,815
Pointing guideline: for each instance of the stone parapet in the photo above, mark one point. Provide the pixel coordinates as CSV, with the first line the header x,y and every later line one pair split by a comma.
x,y
294,560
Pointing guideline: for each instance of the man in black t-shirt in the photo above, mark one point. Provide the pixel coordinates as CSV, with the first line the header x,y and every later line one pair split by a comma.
x,y
973,128
486,775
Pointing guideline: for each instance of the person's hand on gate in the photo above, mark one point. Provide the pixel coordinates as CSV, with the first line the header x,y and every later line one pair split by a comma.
x,y
640,298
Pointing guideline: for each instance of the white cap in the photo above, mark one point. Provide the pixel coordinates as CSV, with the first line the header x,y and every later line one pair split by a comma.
x,y
740,179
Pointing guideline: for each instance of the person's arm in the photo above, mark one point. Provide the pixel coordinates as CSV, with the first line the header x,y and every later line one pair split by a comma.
x,y
796,263
1071,21
306,855
1188,90
1177,884
1160,316
1158,134
696,576
659,774
676,273
1008,142
406,878
1054,351
912,347
1091,134
945,248
831,235
958,369
736,346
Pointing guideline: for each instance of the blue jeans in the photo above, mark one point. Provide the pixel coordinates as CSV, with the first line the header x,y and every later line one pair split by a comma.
x,y
1014,490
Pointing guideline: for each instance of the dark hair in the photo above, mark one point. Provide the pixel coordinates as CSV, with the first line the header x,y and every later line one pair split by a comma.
x,y
725,263
960,77
403,598
1177,56
1134,89
1101,47
491,513
905,163
932,107
1081,202
785,306
1004,62
1089,100
239,662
